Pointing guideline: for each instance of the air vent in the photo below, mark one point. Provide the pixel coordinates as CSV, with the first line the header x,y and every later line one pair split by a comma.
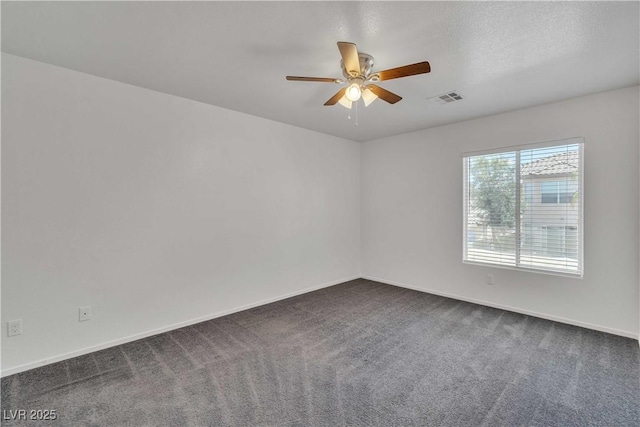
x,y
446,98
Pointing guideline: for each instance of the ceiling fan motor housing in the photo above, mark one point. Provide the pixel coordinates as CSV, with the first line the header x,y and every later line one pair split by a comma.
x,y
366,65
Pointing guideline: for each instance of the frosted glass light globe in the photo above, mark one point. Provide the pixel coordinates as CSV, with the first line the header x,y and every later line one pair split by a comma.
x,y
353,92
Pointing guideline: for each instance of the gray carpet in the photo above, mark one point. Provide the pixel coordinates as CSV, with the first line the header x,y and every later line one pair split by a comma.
x,y
359,353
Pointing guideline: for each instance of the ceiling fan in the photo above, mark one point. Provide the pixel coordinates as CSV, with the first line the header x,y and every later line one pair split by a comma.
x,y
357,70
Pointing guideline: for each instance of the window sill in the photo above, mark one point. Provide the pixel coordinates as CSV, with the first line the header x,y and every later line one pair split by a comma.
x,y
577,275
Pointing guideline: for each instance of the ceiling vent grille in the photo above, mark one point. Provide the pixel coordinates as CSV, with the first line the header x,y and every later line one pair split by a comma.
x,y
447,98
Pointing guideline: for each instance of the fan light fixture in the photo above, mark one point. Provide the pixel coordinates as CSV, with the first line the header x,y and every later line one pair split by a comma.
x,y
353,92
368,96
345,102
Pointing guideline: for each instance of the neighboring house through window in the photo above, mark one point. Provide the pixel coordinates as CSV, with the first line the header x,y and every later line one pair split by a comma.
x,y
528,192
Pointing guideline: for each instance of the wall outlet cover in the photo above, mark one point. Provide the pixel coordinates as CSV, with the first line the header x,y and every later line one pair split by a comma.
x,y
14,327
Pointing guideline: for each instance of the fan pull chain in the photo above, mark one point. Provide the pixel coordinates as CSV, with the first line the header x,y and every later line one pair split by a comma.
x,y
356,122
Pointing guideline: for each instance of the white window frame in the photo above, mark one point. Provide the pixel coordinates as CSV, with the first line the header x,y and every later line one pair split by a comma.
x,y
521,194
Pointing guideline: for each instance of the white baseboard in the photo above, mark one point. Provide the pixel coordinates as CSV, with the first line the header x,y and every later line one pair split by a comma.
x,y
91,349
509,308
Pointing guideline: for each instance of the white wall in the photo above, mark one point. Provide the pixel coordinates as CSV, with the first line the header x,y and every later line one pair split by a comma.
x,y
156,210
412,211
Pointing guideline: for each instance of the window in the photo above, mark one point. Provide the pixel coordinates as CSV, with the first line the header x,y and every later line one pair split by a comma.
x,y
523,207
558,191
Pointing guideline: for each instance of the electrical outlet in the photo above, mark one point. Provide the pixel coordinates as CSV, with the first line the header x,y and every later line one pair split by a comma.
x,y
490,280
85,313
14,327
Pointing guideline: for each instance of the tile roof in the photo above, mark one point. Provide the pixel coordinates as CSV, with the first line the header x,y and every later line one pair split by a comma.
x,y
561,163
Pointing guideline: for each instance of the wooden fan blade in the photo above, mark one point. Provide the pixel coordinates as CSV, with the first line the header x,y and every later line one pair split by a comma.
x,y
335,98
350,58
384,94
407,70
311,79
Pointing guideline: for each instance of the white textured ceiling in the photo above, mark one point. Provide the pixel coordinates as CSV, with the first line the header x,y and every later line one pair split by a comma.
x,y
500,56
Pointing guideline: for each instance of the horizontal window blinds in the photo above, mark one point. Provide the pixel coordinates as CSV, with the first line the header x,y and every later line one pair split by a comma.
x,y
523,208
